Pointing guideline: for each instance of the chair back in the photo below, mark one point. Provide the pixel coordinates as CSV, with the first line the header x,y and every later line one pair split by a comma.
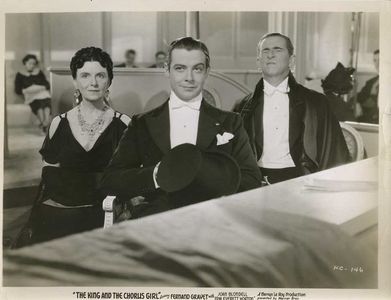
x,y
354,141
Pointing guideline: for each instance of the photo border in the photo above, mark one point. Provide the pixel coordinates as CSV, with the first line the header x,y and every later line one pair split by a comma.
x,y
383,7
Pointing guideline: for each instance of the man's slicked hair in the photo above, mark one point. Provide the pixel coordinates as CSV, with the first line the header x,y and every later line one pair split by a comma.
x,y
189,43
288,41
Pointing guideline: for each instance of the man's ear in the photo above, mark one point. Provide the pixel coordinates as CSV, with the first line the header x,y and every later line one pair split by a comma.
x,y
292,63
166,69
207,71
258,62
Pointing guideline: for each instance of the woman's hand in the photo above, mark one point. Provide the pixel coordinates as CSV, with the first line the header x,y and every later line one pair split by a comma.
x,y
51,165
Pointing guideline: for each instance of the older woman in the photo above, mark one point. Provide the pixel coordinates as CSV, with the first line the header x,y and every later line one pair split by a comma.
x,y
32,84
77,148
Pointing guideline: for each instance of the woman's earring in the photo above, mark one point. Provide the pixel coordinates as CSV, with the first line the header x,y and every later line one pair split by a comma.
x,y
76,96
107,97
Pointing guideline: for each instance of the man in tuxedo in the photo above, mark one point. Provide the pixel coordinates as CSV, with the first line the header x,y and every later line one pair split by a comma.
x,y
184,118
160,60
291,128
130,58
367,98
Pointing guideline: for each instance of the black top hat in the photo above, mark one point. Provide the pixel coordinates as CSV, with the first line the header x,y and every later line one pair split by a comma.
x,y
191,175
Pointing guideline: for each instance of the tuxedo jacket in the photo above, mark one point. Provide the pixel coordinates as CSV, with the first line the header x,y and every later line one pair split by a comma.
x,y
316,141
147,139
369,103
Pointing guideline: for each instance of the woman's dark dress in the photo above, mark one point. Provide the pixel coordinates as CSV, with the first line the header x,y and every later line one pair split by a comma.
x,y
22,81
75,183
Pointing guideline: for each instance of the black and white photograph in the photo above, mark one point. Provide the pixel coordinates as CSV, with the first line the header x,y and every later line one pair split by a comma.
x,y
151,150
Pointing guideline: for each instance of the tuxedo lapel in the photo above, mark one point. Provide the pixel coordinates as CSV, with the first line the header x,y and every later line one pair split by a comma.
x,y
158,125
208,125
296,103
258,110
255,129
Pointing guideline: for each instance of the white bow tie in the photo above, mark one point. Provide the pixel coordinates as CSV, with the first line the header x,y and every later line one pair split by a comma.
x,y
269,90
191,105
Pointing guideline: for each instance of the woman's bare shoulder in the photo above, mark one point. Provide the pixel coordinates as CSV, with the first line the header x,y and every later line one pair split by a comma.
x,y
54,125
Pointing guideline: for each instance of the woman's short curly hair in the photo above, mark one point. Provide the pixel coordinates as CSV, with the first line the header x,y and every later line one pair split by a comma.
x,y
91,54
28,57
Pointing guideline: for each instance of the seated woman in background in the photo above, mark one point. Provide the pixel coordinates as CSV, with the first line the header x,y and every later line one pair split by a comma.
x,y
32,84
77,148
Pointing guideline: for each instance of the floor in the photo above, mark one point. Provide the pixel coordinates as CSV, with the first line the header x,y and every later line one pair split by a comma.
x,y
22,172
23,165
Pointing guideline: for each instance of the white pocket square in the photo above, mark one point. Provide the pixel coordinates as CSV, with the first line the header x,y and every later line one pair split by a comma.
x,y
223,139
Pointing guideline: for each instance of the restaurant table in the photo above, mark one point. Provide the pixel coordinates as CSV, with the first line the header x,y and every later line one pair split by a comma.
x,y
351,203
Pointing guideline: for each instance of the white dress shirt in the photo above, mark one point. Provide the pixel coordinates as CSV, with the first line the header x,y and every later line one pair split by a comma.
x,y
184,117
276,153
